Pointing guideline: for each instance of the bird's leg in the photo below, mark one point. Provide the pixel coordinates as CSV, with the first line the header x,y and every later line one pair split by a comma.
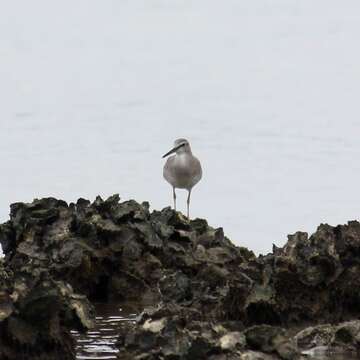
x,y
174,196
188,204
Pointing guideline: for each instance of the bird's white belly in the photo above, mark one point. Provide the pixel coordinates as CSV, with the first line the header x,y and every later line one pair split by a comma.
x,y
181,173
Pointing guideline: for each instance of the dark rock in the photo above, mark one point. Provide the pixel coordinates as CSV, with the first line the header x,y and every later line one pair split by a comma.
x,y
213,293
316,336
175,287
37,314
264,337
105,248
171,332
270,339
342,338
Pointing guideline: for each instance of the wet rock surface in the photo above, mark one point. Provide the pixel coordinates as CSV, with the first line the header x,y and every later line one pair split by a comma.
x,y
213,300
343,337
172,332
37,313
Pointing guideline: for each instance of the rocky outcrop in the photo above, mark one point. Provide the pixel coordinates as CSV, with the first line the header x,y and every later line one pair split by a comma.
x,y
111,249
174,332
312,278
102,250
339,338
37,313
213,295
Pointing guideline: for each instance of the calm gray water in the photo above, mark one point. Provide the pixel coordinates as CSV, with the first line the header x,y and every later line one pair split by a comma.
x,y
93,93
100,342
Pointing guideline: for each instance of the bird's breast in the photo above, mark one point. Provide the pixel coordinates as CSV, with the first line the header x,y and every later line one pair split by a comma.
x,y
182,171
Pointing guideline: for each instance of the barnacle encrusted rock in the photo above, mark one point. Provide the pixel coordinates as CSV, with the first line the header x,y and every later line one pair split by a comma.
x,y
37,314
212,294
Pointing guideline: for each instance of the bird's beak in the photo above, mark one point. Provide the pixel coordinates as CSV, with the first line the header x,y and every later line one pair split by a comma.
x,y
173,150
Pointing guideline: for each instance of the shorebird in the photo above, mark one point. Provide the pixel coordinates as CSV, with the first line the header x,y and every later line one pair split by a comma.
x,y
183,170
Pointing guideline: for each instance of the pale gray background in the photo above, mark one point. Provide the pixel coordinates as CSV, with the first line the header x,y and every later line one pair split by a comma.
x,y
94,92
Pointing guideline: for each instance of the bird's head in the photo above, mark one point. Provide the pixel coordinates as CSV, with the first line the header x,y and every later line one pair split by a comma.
x,y
180,146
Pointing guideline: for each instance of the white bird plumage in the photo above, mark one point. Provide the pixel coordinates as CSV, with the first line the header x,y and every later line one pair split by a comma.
x,y
183,170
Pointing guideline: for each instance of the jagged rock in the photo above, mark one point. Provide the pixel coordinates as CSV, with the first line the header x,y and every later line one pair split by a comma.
x,y
175,287
342,338
270,339
37,314
111,249
174,332
316,336
264,337
309,279
232,341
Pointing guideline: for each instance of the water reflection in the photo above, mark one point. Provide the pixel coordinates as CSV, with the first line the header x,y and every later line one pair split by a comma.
x,y
100,342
